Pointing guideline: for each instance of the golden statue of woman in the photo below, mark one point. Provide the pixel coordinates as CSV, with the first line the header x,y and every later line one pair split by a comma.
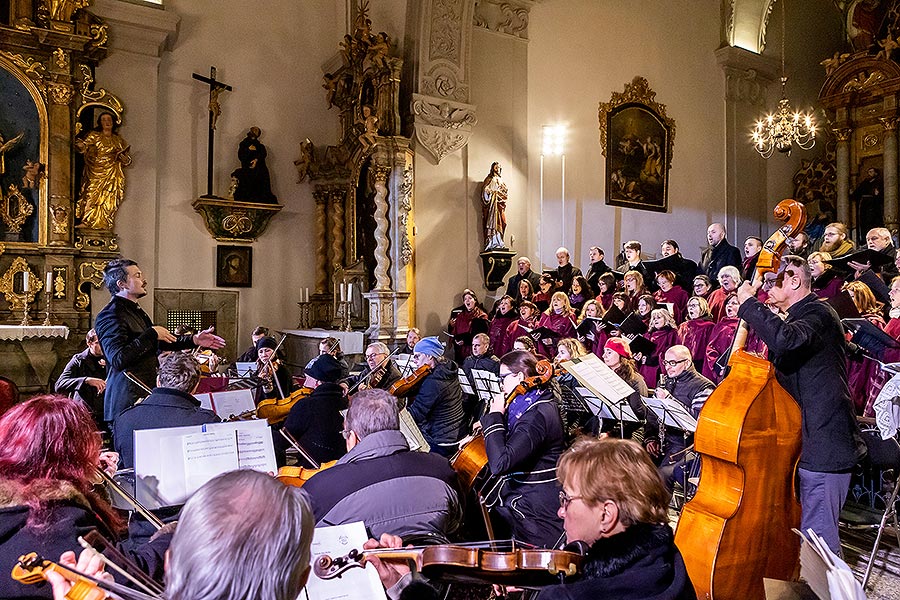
x,y
103,182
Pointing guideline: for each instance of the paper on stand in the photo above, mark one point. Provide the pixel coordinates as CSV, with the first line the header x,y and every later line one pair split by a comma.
x,y
353,584
207,455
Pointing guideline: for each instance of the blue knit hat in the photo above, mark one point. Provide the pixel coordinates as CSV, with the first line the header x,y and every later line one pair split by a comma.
x,y
430,346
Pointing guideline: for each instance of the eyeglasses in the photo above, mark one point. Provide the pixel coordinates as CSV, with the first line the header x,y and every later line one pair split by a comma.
x,y
565,500
374,355
674,363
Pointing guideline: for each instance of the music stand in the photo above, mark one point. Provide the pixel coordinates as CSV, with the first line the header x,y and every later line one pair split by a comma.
x,y
620,411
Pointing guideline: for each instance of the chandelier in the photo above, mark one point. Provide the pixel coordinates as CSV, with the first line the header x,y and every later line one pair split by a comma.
x,y
784,128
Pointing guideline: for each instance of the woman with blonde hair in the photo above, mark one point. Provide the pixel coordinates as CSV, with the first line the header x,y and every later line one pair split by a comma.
x,y
634,288
614,500
664,335
863,371
559,318
696,329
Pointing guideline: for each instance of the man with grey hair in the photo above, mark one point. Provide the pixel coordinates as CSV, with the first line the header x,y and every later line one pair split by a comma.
x,y
380,370
523,266
170,404
809,353
209,557
375,481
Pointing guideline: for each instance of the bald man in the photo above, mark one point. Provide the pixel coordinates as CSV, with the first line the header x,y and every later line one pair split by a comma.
x,y
719,253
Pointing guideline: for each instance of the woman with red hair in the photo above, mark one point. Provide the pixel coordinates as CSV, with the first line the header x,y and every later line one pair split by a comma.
x,y
49,456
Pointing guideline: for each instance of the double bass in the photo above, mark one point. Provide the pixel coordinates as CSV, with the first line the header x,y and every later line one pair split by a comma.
x,y
737,528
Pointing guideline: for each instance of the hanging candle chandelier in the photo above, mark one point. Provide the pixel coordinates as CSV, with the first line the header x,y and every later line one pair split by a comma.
x,y
784,128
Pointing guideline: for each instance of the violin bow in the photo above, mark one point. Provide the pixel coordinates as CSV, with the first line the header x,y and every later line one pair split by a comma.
x,y
30,569
140,508
140,578
293,442
272,368
133,379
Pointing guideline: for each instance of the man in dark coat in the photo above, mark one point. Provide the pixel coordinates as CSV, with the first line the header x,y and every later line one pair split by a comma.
x,y
482,360
437,406
809,352
565,271
377,470
596,269
84,377
131,341
316,422
170,405
718,254
523,264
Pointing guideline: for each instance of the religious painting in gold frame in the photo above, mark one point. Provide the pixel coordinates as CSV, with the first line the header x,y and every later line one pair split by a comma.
x,y
637,139
234,266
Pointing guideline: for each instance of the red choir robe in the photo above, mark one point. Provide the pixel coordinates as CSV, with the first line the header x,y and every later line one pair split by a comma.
x,y
694,333
516,329
500,344
462,327
717,304
563,324
652,366
720,340
677,297
605,300
862,372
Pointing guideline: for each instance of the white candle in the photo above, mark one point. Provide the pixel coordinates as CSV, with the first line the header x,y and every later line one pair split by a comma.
x,y
49,287
26,282
350,292
306,295
343,292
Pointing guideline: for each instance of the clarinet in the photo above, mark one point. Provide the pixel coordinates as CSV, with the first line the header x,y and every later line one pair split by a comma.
x,y
662,423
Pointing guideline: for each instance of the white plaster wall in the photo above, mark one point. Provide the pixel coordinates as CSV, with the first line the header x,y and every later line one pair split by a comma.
x,y
581,51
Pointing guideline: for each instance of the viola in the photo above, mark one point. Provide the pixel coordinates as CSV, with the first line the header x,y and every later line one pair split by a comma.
x,y
404,386
470,461
529,568
297,476
275,410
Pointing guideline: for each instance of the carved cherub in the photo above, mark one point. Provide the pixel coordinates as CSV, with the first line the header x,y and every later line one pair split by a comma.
x,y
888,45
834,62
378,51
307,156
330,85
34,174
370,122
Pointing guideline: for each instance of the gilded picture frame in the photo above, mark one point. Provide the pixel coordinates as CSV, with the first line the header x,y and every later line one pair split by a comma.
x,y
234,266
637,139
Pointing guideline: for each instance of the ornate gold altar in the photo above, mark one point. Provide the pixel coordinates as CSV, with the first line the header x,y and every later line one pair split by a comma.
x,y
363,188
50,112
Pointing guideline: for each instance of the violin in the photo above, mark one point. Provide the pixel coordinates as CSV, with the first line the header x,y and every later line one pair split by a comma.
x,y
529,568
275,410
297,476
31,569
404,386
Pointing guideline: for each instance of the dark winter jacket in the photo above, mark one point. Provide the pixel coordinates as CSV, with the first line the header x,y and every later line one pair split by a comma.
x,y
438,408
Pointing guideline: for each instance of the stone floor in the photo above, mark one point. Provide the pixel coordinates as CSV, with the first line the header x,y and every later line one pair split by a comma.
x,y
884,583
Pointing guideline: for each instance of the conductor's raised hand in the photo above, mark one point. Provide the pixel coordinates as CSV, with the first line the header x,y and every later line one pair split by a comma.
x,y
208,339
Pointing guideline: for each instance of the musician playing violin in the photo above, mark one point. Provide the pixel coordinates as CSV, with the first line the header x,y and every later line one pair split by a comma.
x,y
523,441
316,422
276,381
380,372
436,404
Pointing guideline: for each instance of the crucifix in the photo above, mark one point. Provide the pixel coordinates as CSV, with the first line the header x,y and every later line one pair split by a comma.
x,y
215,88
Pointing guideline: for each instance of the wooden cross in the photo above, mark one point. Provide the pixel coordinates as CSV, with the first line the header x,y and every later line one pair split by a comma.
x,y
215,88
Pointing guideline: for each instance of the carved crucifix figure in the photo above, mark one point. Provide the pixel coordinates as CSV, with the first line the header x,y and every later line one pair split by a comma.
x,y
215,88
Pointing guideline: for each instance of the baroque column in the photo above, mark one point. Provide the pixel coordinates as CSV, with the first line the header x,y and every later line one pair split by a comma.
x,y
890,172
320,193
382,262
842,160
336,201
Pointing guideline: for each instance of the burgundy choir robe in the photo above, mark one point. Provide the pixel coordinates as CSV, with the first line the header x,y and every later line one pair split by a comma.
x,y
652,366
563,324
694,333
720,341
677,297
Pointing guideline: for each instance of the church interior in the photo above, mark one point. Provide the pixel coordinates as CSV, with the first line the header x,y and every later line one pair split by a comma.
x,y
379,123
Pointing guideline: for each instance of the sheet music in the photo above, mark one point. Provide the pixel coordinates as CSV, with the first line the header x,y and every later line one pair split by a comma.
x,y
592,373
353,584
206,455
226,404
465,385
245,369
671,412
412,433
827,575
254,444
487,384
405,363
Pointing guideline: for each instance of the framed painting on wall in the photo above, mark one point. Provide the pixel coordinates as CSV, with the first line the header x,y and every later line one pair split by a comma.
x,y
637,138
234,266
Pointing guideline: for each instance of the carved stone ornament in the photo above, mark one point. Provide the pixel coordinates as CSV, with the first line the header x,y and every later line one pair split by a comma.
x,y
99,34
744,85
100,240
496,264
62,10
404,206
638,91
59,215
508,18
90,273
18,301
864,80
227,220
61,58
442,126
59,282
15,210
60,93
34,69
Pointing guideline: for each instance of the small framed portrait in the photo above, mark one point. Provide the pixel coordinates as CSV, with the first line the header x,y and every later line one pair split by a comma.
x,y
234,266
637,139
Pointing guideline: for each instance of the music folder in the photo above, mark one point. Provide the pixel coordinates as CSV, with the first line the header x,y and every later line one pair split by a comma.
x,y
593,374
875,258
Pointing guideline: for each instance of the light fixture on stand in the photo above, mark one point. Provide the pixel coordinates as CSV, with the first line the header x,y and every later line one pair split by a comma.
x,y
784,128
553,144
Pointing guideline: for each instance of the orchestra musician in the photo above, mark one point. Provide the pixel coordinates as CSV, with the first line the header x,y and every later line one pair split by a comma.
x,y
49,456
276,380
250,354
381,371
130,340
84,377
523,441
316,422
437,404
809,352
412,338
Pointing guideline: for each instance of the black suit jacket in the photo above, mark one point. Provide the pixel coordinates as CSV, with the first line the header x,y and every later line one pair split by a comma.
x,y
713,258
71,382
129,344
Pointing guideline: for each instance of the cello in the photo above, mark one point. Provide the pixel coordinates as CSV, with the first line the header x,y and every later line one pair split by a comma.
x,y
737,528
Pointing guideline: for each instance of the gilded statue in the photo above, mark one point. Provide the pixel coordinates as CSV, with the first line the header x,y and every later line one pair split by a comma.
x,y
6,146
103,181
493,208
